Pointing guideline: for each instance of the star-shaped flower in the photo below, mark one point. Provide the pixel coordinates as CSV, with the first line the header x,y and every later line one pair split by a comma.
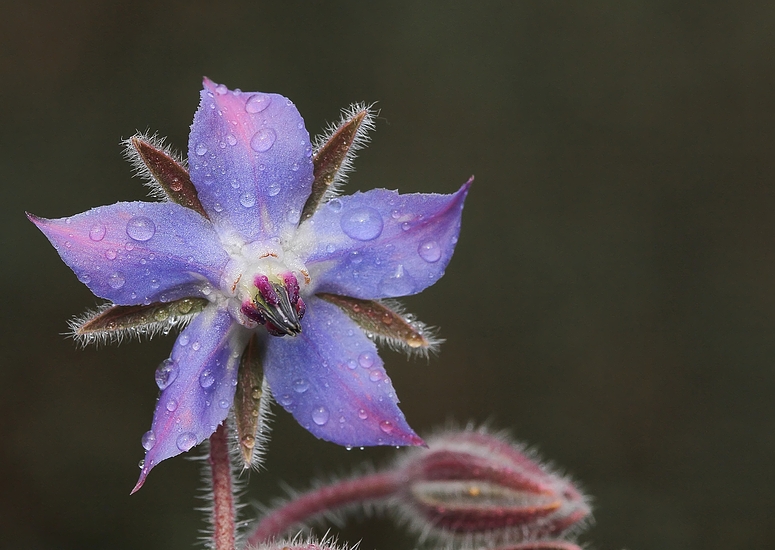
x,y
267,268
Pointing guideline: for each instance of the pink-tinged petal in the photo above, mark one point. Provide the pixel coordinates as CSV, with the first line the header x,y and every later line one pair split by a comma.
x,y
249,158
138,252
334,383
380,244
198,383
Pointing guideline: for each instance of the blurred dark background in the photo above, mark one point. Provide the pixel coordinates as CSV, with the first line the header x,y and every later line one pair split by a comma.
x,y
612,296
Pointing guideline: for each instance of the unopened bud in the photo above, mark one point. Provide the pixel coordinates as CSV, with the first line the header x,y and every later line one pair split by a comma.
x,y
475,486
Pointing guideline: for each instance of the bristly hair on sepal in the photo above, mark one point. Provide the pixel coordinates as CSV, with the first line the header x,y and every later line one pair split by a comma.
x,y
334,152
139,166
302,542
112,324
386,322
257,447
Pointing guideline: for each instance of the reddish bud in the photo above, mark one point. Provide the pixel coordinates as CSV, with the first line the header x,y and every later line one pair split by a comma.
x,y
473,485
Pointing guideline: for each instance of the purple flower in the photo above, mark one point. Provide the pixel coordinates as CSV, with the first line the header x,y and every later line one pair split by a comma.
x,y
266,267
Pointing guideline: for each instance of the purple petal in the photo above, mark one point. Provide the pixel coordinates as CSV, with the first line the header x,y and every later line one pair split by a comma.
x,y
249,157
333,382
198,384
380,244
138,252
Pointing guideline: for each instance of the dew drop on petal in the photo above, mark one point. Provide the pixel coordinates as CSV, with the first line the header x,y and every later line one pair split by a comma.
x,y
206,379
85,279
366,359
166,373
220,89
362,414
300,385
335,205
172,404
257,103
185,441
400,283
154,283
247,199
273,189
263,140
386,426
201,149
375,375
320,416
195,346
148,440
97,232
286,399
183,339
110,254
116,280
140,228
223,404
362,224
231,140
430,251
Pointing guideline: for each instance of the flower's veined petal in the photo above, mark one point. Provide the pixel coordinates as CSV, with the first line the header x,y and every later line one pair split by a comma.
x,y
333,382
380,244
139,252
249,158
198,383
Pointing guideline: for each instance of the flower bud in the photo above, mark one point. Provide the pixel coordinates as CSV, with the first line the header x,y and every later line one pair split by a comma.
x,y
474,486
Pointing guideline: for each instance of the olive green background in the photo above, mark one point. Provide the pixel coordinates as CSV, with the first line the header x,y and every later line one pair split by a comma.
x,y
611,300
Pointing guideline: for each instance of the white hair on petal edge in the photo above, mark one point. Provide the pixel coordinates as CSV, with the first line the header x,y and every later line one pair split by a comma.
x,y
360,141
139,167
117,336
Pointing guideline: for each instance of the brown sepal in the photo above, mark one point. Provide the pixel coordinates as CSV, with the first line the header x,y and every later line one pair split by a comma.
x,y
329,159
247,403
378,319
171,176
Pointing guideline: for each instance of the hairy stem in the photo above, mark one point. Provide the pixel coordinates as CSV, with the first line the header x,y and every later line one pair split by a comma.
x,y
310,505
223,495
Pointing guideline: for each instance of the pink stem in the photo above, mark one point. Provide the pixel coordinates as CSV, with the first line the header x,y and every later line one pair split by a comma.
x,y
325,499
223,496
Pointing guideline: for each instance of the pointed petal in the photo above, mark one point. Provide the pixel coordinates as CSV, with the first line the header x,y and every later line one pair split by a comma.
x,y
138,252
249,158
380,244
197,384
153,160
333,382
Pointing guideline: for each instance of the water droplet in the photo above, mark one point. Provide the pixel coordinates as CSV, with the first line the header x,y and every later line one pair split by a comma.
x,y
110,254
352,365
154,283
185,305
185,441
141,463
129,246
406,226
220,89
386,426
376,375
247,199
395,214
195,346
263,140
206,379
430,251
140,228
248,441
362,414
183,339
116,280
335,205
172,404
273,189
286,400
400,283
257,103
85,279
320,416
97,232
366,359
231,140
201,149
218,207
161,315
148,440
300,385
223,404
362,224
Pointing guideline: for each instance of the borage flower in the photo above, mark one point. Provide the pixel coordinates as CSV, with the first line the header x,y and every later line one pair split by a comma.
x,y
268,269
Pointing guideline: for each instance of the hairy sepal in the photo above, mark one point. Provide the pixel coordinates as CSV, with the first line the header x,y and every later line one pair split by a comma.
x,y
334,153
385,321
252,410
163,171
112,324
